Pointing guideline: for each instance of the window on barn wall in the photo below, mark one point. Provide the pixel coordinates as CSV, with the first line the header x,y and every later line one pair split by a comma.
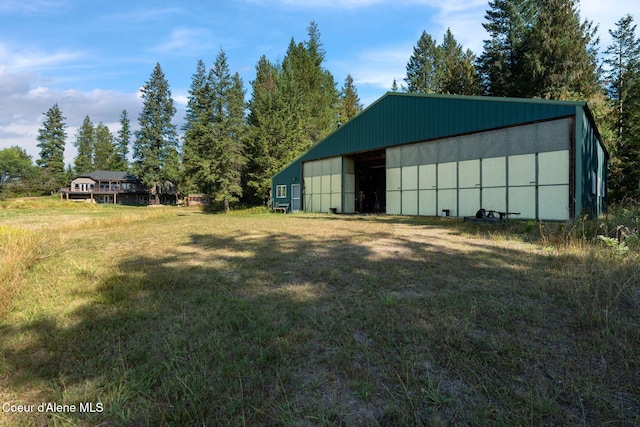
x,y
281,191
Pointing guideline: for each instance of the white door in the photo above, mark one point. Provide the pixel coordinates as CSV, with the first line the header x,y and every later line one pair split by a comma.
x,y
295,197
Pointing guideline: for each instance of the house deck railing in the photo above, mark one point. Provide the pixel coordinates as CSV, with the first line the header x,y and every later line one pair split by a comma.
x,y
69,190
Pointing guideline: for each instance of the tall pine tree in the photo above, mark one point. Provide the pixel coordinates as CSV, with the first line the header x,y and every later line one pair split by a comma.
x,y
622,59
229,128
501,64
122,141
196,128
312,88
215,131
52,139
273,128
104,155
441,69
458,74
560,53
350,104
155,147
85,141
424,68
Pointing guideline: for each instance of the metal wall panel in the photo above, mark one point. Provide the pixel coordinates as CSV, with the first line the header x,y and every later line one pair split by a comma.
x,y
494,172
409,178
448,199
553,202
427,177
553,167
409,155
468,201
394,157
394,202
469,174
336,183
326,184
320,185
448,175
349,188
494,199
410,202
522,170
394,179
427,202
523,200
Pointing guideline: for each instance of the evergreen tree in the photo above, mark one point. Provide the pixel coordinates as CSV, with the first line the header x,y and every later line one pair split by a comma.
x,y
560,53
155,147
350,104
226,155
316,96
199,97
52,139
85,141
623,84
623,61
294,104
441,69
215,133
104,155
458,75
272,132
394,85
122,141
500,65
196,127
424,69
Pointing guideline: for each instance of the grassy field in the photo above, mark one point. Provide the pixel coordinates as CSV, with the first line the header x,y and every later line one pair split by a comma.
x,y
172,316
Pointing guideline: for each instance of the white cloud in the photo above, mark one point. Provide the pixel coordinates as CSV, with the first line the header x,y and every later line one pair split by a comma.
x,y
32,59
22,116
30,7
185,41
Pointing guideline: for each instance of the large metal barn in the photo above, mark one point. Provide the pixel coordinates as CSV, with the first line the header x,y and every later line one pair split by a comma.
x,y
436,155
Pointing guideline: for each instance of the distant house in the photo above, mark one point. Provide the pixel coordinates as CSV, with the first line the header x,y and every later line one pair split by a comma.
x,y
117,187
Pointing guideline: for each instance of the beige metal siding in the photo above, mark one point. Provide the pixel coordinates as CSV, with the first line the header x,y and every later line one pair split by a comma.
x,y
427,184
394,187
522,169
494,184
553,185
323,185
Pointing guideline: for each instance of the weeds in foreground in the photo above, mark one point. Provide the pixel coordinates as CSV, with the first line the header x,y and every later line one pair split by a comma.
x,y
187,318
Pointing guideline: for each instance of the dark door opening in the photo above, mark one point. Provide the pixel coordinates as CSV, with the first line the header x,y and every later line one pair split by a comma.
x,y
371,181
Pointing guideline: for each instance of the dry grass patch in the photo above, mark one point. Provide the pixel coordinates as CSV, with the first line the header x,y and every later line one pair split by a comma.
x,y
189,318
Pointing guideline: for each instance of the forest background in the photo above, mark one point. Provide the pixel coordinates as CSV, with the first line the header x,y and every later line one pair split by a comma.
x,y
235,137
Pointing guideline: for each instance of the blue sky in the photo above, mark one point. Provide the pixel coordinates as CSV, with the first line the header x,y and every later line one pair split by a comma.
x,y
92,57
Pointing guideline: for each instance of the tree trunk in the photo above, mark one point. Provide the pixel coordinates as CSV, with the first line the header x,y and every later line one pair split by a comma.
x,y
226,206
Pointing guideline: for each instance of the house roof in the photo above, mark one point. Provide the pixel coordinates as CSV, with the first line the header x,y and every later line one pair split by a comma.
x,y
108,176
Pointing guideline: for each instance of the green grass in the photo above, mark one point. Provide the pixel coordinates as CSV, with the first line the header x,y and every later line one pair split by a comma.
x,y
180,317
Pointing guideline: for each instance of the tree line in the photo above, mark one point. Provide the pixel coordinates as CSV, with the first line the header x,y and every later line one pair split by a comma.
x,y
231,148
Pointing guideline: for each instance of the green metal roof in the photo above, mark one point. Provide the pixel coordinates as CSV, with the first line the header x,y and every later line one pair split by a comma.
x,y
401,118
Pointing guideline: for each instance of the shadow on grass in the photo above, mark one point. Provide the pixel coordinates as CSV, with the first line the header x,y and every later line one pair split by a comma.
x,y
350,326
